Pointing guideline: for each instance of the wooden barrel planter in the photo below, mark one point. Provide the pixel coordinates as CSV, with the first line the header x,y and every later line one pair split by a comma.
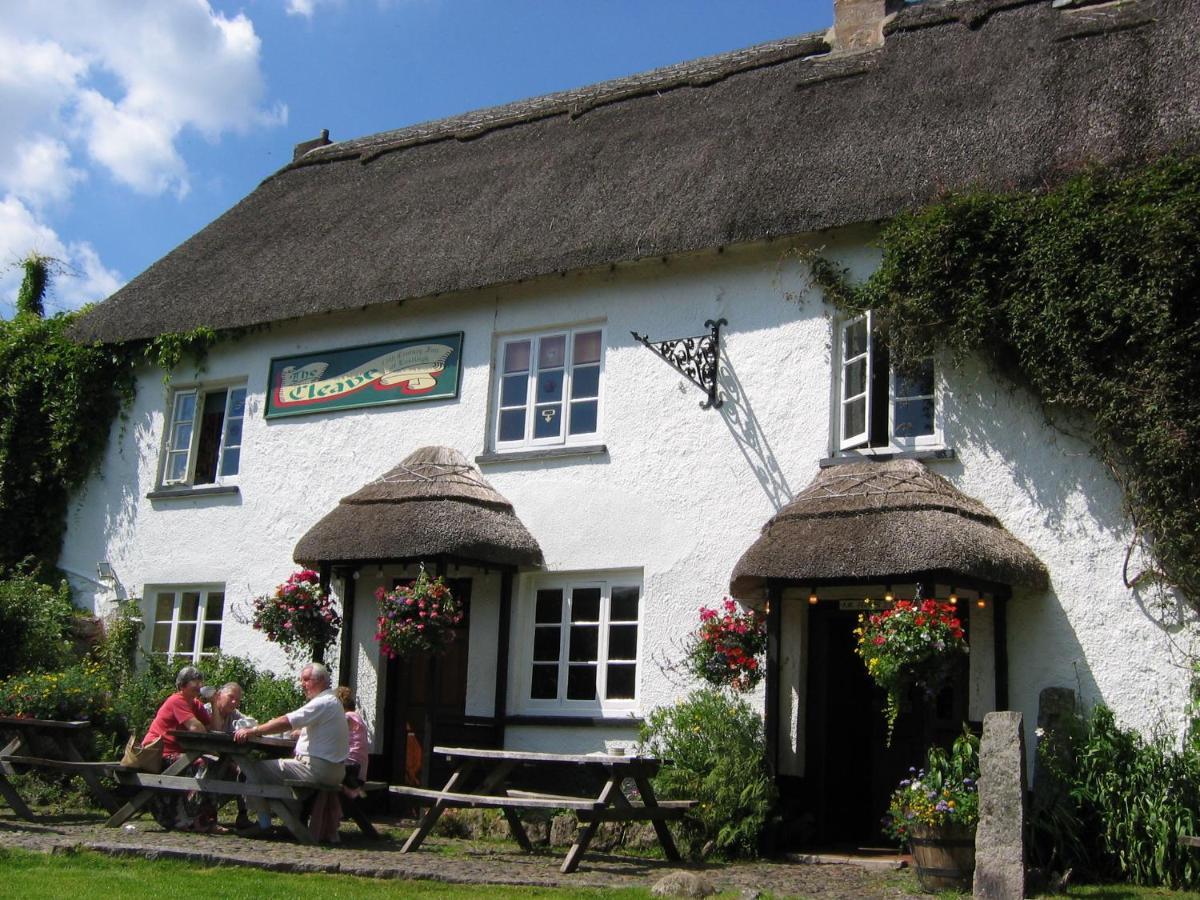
x,y
944,858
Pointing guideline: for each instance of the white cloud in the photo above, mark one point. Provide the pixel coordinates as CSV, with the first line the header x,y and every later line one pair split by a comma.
x,y
40,171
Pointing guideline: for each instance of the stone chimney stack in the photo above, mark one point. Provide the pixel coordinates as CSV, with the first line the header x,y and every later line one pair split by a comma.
x,y
858,24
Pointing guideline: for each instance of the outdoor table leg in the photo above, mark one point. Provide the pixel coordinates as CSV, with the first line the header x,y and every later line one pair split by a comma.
x,y
19,806
98,790
130,809
493,784
584,836
436,808
660,827
12,748
289,815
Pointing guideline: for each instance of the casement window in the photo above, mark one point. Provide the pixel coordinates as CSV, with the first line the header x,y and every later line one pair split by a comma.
x,y
548,388
204,435
186,622
880,407
581,644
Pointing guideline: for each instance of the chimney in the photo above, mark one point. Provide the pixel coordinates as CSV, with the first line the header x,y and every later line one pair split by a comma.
x,y
858,24
305,146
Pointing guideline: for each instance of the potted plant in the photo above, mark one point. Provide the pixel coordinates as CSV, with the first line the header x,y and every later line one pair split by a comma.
x,y
418,617
299,614
935,811
914,642
725,650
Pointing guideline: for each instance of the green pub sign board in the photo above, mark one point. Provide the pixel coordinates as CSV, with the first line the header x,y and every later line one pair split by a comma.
x,y
394,372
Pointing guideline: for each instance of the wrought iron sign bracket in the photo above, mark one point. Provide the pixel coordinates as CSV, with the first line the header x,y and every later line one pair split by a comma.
x,y
695,358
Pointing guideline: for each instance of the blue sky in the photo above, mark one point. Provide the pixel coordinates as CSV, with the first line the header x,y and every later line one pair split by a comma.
x,y
131,124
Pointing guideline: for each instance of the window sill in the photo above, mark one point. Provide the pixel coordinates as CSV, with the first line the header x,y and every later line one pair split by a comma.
x,y
491,457
884,454
574,721
192,493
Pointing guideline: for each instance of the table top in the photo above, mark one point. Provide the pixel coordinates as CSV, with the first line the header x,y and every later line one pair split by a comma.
x,y
41,724
530,756
220,742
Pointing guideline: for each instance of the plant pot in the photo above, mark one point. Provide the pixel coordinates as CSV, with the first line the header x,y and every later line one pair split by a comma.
x,y
943,857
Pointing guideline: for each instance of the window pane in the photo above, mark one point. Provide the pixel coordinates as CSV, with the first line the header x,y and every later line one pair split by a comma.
x,y
585,641
622,642
544,684
854,379
177,467
549,606
237,403
161,642
913,418
182,439
550,386
215,606
581,683
624,604
545,644
513,390
185,639
512,425
583,417
164,607
189,606
854,417
233,433
551,352
185,407
585,605
212,638
516,356
855,339
547,421
917,381
620,681
585,382
230,460
587,347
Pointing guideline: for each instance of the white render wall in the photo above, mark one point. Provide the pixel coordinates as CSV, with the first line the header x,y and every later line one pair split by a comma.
x,y
680,495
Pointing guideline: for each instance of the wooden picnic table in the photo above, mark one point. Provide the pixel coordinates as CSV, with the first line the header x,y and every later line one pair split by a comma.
x,y
52,746
493,791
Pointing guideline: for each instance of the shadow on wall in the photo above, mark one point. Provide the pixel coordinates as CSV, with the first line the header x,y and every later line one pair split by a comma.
x,y
739,418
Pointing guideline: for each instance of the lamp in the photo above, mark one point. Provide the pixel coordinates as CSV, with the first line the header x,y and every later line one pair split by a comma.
x,y
105,570
982,601
888,596
812,596
953,596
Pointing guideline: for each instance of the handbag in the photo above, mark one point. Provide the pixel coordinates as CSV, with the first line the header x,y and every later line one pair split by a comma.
x,y
147,758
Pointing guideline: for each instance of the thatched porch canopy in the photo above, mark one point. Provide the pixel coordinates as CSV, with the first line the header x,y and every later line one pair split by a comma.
x,y
434,504
861,521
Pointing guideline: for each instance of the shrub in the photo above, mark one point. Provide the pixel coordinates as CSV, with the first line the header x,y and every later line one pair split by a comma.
x,y
35,624
265,695
717,755
1123,803
78,692
142,693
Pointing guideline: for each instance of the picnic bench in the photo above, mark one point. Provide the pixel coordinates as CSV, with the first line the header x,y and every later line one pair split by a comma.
x,y
493,790
284,800
52,746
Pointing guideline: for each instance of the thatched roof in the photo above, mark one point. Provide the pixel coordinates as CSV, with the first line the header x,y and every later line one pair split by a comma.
x,y
780,139
433,504
881,520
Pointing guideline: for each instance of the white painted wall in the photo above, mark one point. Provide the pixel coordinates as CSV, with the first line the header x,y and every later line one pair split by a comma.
x,y
680,495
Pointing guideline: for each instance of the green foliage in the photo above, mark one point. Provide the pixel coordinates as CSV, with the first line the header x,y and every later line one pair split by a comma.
x,y
35,624
1123,803
33,286
265,695
1087,294
117,653
141,693
944,792
77,692
717,755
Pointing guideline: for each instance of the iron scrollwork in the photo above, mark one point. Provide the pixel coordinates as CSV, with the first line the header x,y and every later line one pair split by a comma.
x,y
695,358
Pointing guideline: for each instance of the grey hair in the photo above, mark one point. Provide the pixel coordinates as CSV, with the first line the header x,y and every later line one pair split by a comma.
x,y
186,674
229,686
319,671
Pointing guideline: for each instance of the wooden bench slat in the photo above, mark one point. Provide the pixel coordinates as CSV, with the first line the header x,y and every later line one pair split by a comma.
x,y
499,801
206,785
65,764
1189,840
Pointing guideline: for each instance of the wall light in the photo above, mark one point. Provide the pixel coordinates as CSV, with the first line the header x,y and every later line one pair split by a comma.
x,y
953,596
105,570
812,596
888,596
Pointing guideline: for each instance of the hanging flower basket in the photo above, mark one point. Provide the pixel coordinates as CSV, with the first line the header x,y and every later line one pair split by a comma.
x,y
726,649
418,617
916,642
298,615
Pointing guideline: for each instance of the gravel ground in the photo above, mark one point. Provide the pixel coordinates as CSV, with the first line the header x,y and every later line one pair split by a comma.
x,y
443,859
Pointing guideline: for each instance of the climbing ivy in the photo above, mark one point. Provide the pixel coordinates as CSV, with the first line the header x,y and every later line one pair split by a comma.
x,y
58,400
1089,294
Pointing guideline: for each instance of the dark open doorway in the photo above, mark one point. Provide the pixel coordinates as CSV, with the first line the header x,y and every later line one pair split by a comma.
x,y
850,771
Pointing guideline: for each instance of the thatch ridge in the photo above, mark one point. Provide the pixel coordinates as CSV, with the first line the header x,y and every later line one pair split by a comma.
x,y
884,519
997,94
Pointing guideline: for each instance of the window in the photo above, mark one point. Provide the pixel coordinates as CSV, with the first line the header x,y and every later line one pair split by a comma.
x,y
548,388
583,644
186,624
204,435
878,406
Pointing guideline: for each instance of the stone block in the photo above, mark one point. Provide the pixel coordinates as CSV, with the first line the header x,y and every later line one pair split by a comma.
x,y
1000,837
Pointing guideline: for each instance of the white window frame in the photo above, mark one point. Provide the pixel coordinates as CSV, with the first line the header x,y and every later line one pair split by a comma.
x,y
861,443
528,441
175,446
150,604
522,646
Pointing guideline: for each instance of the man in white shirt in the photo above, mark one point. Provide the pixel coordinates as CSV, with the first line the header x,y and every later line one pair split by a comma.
x,y
321,749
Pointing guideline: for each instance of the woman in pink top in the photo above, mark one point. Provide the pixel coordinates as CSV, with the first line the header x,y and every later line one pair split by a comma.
x,y
358,732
